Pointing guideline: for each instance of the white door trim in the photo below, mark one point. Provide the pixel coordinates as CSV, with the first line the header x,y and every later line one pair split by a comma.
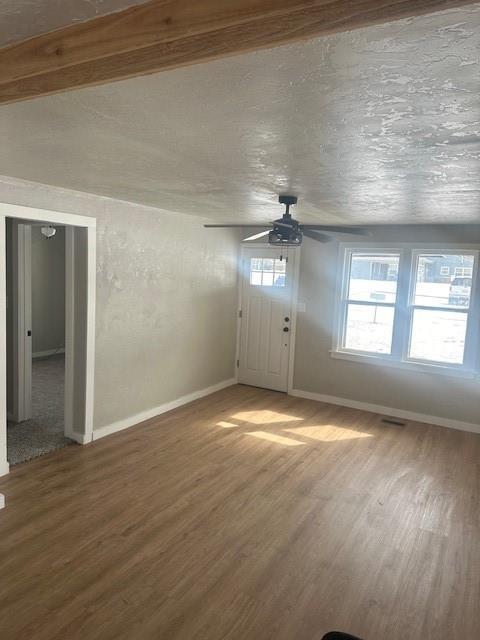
x,y
296,276
69,330
88,354
21,304
293,329
3,352
46,215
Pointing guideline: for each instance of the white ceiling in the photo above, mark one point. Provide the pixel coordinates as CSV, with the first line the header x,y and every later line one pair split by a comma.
x,y
380,125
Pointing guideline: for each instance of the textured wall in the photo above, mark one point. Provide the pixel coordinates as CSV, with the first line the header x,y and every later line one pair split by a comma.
x,y
166,300
48,291
166,314
316,371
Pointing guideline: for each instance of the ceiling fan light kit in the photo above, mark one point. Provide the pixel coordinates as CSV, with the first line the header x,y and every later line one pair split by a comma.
x,y
288,232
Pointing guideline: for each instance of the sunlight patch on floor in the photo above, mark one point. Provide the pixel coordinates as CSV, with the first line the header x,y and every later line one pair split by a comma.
x,y
328,433
264,417
226,425
273,437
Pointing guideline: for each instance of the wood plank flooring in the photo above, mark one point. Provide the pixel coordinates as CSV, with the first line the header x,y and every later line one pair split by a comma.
x,y
246,515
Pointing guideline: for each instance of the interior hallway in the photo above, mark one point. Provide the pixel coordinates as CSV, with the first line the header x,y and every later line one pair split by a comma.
x,y
247,514
44,432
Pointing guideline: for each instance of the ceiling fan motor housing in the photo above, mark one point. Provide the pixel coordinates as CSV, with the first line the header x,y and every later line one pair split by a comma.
x,y
285,235
286,231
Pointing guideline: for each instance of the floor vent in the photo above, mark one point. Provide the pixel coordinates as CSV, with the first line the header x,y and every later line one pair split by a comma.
x,y
397,423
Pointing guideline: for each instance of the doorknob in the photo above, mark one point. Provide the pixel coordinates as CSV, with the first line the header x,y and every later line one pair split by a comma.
x,y
286,329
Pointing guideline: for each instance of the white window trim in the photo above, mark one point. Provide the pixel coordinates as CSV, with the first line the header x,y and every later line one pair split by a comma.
x,y
401,338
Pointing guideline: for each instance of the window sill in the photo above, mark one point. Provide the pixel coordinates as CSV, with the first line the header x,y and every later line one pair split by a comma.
x,y
419,367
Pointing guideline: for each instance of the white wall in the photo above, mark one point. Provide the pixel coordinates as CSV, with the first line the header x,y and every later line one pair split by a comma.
x,y
166,300
48,291
317,372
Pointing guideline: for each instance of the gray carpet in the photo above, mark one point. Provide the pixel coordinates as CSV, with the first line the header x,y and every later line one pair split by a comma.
x,y
43,433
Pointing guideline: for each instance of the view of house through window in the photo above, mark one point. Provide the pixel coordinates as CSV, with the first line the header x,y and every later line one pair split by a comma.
x,y
407,305
440,308
372,293
267,272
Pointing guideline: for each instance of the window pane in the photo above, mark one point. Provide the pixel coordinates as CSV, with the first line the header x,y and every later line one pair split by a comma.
x,y
373,277
256,277
369,328
438,336
267,272
267,279
443,281
267,264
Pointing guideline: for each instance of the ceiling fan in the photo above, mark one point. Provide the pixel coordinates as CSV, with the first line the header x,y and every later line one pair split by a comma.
x,y
286,231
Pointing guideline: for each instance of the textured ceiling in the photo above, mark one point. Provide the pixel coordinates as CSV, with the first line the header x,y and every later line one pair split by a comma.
x,y
379,125
22,19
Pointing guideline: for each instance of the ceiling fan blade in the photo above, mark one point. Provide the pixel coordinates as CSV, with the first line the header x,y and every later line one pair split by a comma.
x,y
245,225
257,236
352,231
316,235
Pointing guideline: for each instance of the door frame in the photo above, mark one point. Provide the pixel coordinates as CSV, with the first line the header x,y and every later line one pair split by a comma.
x,y
83,357
293,326
22,321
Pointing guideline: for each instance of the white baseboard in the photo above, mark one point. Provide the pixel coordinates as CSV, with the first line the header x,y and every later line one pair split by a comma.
x,y
2,501
49,352
388,411
81,438
120,425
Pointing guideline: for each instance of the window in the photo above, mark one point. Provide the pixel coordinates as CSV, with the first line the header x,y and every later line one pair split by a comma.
x,y
267,272
464,271
439,312
398,305
370,302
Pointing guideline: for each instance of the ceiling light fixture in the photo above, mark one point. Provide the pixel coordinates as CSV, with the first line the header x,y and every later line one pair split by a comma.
x,y
48,232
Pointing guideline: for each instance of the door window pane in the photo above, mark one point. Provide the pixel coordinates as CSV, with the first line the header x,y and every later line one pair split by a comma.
x,y
373,277
267,264
438,335
267,278
256,278
434,287
369,328
267,272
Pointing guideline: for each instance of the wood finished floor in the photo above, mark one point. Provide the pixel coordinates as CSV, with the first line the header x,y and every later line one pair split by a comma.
x,y
246,515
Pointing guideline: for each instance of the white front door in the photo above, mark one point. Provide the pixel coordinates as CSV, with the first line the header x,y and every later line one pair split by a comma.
x,y
266,316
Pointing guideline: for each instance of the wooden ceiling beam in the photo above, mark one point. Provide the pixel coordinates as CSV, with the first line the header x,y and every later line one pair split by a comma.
x,y
165,34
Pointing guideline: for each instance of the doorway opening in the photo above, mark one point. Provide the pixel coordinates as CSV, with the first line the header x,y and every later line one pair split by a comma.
x,y
36,261
47,292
